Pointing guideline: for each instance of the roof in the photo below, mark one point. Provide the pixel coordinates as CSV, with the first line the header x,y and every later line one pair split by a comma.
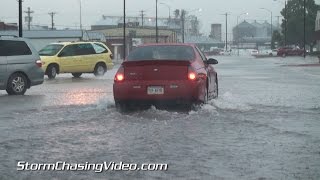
x,y
46,33
115,20
200,40
139,32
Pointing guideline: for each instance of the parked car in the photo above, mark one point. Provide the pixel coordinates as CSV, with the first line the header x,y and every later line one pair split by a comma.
x,y
254,52
20,65
165,74
268,52
76,58
290,51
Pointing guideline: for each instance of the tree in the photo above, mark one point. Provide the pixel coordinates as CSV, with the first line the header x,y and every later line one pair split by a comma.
x,y
295,21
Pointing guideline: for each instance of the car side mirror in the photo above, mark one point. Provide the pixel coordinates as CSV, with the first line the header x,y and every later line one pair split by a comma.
x,y
212,61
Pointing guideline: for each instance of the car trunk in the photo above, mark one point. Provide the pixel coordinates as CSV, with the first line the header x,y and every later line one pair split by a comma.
x,y
156,70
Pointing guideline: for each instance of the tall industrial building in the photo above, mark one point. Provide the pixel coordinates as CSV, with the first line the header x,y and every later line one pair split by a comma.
x,y
216,32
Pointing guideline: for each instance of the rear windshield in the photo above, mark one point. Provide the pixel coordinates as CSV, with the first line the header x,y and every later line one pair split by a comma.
x,y
14,48
50,50
180,53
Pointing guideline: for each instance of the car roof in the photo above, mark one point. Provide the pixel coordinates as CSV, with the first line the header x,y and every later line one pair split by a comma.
x,y
74,42
167,44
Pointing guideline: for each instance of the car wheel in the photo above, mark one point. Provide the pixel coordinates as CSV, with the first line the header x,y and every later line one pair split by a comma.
x,y
76,75
121,106
100,69
206,94
52,71
284,55
17,84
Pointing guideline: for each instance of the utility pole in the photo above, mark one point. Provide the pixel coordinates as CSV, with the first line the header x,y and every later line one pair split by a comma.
x,y
20,18
157,30
52,21
304,28
285,23
183,16
278,25
142,17
226,31
80,15
124,30
29,17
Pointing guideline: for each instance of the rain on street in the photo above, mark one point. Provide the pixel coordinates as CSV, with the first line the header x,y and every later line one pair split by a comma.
x,y
264,125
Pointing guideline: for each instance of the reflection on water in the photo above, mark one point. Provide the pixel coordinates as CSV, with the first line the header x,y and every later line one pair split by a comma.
x,y
76,97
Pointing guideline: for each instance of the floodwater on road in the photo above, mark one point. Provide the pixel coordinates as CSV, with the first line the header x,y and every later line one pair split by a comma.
x,y
264,125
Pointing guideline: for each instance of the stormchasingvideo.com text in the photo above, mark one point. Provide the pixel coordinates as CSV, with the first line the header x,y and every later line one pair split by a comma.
x,y
95,167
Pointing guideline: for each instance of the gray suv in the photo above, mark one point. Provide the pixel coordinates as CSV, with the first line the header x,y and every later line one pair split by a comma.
x,y
20,65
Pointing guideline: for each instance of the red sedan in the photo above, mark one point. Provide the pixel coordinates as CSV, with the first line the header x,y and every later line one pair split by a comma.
x,y
158,74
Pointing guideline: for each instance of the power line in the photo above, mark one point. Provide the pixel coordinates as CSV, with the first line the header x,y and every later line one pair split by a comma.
x,y
29,17
52,20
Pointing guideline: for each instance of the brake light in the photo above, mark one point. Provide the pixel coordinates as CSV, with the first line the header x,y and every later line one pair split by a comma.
x,y
120,75
39,63
192,74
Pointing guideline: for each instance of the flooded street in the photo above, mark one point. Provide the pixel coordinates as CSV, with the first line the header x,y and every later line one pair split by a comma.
x,y
264,125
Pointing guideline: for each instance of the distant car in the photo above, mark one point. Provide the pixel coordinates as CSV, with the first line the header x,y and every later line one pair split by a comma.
x,y
225,53
254,52
165,74
76,58
20,65
269,52
290,51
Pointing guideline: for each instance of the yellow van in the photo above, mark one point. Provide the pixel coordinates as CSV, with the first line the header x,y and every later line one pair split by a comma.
x,y
76,58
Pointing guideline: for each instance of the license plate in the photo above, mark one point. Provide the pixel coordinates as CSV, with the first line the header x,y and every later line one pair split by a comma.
x,y
155,90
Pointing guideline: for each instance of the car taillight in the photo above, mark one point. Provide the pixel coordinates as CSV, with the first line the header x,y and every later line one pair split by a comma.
x,y
120,75
39,63
192,75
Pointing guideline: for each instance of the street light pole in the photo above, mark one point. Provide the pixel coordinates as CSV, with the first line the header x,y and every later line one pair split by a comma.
x,y
169,9
271,28
238,30
157,30
20,18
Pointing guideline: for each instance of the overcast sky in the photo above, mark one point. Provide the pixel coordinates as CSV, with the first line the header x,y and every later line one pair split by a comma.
x,y
92,10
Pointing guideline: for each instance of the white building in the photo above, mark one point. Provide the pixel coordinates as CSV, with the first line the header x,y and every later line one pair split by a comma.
x,y
41,38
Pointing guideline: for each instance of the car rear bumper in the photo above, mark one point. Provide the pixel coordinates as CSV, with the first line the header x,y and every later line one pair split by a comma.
x,y
36,77
174,91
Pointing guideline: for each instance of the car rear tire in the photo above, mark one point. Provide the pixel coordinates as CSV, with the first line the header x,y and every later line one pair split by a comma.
x,y
100,69
17,84
122,106
52,71
76,75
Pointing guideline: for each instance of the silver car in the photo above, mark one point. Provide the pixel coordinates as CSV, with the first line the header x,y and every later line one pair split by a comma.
x,y
20,65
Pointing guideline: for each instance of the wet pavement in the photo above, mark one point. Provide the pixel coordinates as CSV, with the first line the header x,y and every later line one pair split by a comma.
x,y
264,125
